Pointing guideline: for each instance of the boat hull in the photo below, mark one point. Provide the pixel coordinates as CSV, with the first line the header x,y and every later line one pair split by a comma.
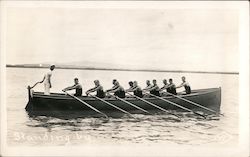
x,y
61,103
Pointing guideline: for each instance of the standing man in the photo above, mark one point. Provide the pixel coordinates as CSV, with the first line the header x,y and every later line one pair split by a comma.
x,y
47,80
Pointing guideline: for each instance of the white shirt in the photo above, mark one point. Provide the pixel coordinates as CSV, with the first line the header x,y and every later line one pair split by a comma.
x,y
47,76
185,84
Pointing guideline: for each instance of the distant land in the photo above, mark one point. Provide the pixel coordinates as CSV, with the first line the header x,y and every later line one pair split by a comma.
x,y
111,68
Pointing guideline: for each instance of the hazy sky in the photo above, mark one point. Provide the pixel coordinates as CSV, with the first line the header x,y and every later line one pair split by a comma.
x,y
169,39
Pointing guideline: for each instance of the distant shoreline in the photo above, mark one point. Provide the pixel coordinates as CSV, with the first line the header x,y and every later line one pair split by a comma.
x,y
113,69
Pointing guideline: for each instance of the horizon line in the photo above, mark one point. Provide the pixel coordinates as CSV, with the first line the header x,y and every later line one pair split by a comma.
x,y
121,69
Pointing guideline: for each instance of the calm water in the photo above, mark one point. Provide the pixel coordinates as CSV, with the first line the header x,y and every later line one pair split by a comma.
x,y
149,130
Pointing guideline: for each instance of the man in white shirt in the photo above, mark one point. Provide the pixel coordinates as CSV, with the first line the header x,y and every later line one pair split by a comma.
x,y
185,84
47,80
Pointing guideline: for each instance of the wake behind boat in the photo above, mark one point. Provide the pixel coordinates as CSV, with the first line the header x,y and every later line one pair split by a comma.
x,y
209,99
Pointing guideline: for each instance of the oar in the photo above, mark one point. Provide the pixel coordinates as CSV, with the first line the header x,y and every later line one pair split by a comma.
x,y
87,104
129,103
35,85
118,108
160,108
191,102
175,104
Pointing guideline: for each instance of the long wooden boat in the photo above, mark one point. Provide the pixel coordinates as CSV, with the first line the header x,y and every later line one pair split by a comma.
x,y
59,102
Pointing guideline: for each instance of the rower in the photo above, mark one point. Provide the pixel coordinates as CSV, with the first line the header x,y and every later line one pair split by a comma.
x,y
155,90
131,86
171,87
117,89
147,87
185,84
164,87
77,86
98,89
136,89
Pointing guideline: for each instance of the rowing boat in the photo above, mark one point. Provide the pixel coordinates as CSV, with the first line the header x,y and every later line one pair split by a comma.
x,y
59,102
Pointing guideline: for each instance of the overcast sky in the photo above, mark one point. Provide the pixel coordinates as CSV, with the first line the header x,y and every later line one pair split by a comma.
x,y
169,39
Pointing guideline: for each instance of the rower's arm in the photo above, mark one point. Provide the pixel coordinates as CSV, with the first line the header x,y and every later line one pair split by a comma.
x,y
112,89
152,88
130,89
93,89
147,88
135,88
181,85
115,90
164,87
70,88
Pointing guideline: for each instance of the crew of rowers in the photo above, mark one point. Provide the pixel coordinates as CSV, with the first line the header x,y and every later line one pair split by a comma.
x,y
119,91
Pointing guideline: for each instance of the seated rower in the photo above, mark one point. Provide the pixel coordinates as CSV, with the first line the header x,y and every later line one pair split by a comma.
x,y
136,89
155,90
148,87
131,86
98,89
77,86
185,85
164,87
117,90
171,87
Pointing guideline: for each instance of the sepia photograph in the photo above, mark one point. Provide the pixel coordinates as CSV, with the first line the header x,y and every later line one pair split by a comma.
x,y
124,78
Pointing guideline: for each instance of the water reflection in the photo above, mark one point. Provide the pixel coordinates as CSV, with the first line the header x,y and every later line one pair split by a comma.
x,y
152,128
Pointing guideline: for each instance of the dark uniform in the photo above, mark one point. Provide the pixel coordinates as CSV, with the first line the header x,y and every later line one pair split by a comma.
x,y
120,93
155,92
78,92
100,93
187,89
138,92
172,90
